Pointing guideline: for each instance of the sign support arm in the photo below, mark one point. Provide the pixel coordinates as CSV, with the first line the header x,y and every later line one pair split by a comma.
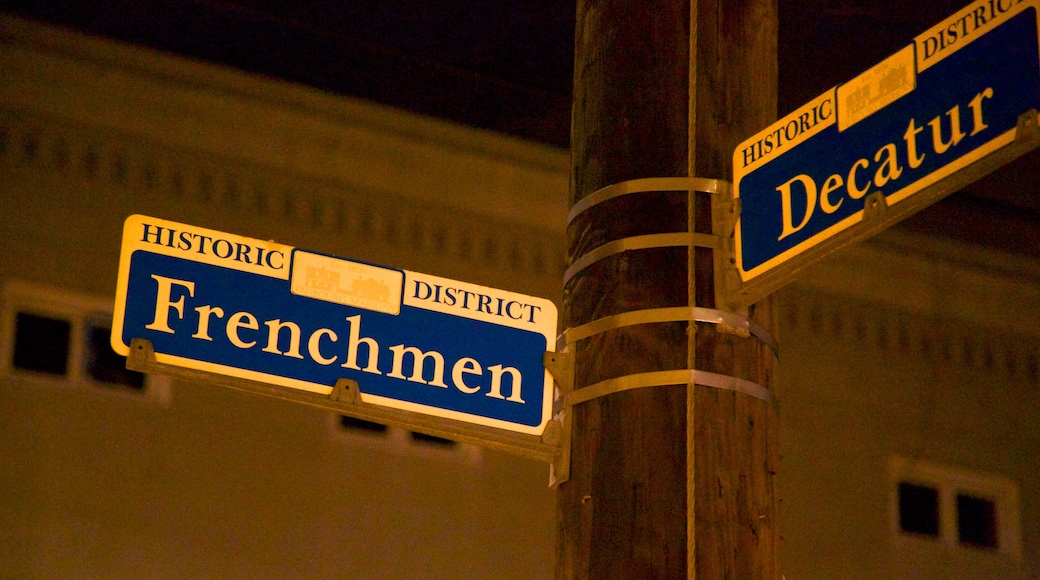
x,y
345,399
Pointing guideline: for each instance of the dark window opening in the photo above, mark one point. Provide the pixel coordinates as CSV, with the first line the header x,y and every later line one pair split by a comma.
x,y
355,424
918,509
41,344
105,365
976,521
431,440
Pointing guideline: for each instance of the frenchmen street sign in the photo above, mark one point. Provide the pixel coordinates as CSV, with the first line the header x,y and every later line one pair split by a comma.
x,y
952,106
268,312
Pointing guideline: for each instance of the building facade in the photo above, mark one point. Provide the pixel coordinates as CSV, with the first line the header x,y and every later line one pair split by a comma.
x,y
910,365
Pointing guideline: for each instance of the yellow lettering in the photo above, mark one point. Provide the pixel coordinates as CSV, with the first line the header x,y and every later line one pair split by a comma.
x,y
855,192
463,366
314,345
204,314
833,182
354,341
955,130
911,145
276,325
163,303
889,168
237,321
785,204
418,362
496,383
976,110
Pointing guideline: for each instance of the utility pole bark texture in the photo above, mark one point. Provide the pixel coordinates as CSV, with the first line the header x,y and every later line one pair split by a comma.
x,y
666,481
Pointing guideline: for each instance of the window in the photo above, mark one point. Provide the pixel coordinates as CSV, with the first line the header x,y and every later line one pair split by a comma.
x,y
976,521
424,439
58,337
360,425
41,343
953,506
402,441
918,509
103,364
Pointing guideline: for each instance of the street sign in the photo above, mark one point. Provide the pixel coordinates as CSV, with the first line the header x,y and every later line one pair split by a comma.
x,y
268,312
955,104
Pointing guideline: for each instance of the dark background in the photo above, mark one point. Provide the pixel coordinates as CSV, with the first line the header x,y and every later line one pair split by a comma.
x,y
507,67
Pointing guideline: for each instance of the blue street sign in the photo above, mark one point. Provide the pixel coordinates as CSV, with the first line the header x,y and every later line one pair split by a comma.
x,y
268,312
912,125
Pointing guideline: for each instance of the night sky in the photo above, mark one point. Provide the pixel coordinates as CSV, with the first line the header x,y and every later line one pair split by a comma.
x,y
507,67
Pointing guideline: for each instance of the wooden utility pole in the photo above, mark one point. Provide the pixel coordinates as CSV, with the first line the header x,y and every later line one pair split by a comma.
x,y
673,480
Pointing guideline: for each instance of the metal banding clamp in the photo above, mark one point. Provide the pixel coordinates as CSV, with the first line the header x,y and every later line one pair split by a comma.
x,y
644,185
736,323
730,322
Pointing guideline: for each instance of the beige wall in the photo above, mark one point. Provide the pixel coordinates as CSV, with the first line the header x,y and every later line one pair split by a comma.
x,y
869,382
901,346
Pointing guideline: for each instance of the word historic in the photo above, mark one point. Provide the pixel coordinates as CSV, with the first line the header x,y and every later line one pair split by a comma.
x,y
204,245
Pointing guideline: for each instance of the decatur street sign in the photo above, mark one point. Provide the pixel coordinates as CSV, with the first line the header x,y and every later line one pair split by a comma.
x,y
955,104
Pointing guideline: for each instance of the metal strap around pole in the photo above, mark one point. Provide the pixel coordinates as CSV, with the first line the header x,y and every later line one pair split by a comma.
x,y
734,321
645,185
649,241
663,378
674,314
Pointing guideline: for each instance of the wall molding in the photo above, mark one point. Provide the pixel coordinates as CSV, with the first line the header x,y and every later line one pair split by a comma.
x,y
377,223
890,332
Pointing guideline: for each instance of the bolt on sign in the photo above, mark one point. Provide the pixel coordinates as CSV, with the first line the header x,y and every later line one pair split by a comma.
x,y
955,104
262,311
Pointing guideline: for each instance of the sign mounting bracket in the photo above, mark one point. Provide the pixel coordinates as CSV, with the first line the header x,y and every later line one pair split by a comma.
x,y
346,399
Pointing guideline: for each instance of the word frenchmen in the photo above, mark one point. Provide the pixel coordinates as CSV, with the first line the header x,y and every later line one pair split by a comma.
x,y
242,330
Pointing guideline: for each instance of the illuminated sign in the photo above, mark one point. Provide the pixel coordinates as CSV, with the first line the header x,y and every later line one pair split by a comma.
x,y
268,312
925,121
